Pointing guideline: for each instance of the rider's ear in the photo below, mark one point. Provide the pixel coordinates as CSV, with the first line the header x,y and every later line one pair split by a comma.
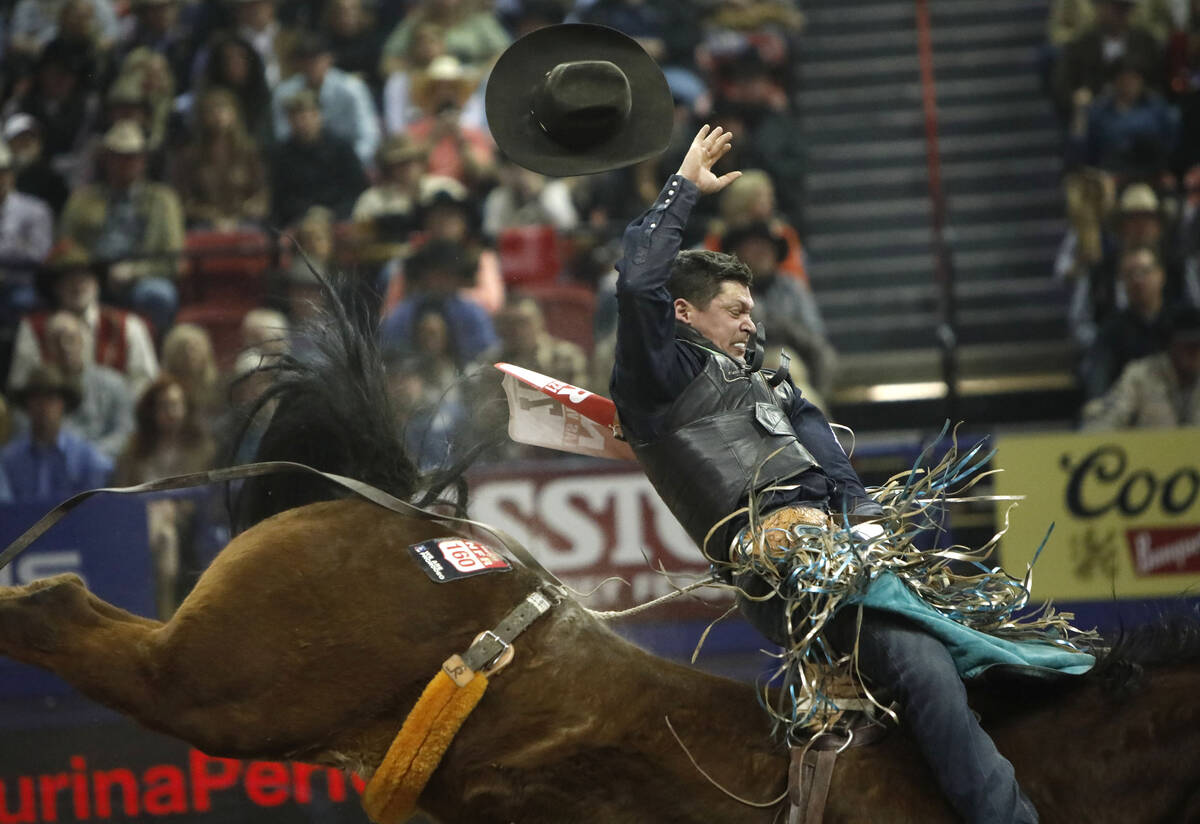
x,y
682,310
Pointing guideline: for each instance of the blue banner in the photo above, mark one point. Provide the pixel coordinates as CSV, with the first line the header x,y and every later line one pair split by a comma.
x,y
103,541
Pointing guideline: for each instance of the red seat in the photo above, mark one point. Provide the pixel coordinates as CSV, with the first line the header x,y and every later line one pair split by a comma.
x,y
227,266
569,311
529,255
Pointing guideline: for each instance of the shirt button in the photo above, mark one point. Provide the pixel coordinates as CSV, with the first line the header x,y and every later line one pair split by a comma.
x,y
652,225
668,200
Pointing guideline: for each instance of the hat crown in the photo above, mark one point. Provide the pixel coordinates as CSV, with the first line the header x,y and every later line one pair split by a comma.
x,y
582,103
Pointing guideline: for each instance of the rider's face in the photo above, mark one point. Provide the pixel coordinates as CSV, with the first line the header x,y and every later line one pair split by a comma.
x,y
725,321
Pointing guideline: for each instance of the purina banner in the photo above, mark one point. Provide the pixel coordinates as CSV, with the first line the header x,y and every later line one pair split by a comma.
x,y
1125,508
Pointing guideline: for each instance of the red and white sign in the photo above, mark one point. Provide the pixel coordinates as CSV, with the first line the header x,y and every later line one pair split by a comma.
x,y
469,556
546,412
1165,550
591,521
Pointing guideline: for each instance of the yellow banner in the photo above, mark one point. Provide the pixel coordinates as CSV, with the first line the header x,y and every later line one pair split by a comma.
x,y
1125,508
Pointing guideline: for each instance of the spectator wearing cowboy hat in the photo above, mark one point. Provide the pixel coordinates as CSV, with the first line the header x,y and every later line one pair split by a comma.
x,y
447,213
35,175
50,462
345,101
1161,390
460,151
313,166
26,232
58,96
402,100
435,273
470,32
70,280
134,225
393,201
787,307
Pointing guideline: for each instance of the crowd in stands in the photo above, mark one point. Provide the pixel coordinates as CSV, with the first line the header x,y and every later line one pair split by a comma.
x,y
1124,76
174,172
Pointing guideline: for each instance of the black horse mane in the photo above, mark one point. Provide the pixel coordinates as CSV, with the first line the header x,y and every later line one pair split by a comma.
x,y
1171,639
328,407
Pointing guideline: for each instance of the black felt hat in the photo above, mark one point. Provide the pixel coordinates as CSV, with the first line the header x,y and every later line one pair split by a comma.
x,y
576,99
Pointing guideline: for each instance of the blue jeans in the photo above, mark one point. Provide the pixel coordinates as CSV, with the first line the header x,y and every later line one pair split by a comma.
x,y
895,654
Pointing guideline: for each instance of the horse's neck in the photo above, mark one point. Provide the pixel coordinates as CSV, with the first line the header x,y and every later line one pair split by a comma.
x,y
579,732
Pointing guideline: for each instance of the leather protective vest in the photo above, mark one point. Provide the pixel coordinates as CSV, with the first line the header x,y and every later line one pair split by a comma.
x,y
727,425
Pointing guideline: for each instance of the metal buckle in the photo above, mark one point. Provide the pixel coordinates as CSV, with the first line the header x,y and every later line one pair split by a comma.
x,y
501,659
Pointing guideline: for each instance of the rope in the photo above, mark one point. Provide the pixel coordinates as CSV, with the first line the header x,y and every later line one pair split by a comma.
x,y
612,615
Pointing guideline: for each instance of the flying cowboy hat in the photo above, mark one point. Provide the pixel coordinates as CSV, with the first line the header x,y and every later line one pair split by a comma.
x,y
575,99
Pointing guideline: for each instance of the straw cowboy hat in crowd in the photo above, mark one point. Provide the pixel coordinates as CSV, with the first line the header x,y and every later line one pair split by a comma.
x,y
577,99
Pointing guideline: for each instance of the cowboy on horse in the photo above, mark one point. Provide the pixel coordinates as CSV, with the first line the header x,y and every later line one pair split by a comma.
x,y
750,468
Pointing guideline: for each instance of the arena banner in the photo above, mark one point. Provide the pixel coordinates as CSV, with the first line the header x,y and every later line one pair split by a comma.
x,y
103,541
1125,508
114,770
589,521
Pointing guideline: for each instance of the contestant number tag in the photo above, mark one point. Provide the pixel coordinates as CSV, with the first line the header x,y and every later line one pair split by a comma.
x,y
448,559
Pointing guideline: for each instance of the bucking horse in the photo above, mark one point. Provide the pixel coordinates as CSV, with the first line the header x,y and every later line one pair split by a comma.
x,y
317,630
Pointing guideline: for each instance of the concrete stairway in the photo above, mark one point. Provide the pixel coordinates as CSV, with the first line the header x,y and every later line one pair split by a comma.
x,y
868,210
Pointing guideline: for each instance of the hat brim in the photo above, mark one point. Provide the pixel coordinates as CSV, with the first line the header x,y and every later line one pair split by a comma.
x,y
520,69
71,396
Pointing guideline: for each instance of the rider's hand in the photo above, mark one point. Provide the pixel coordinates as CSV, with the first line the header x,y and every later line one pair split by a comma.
x,y
707,148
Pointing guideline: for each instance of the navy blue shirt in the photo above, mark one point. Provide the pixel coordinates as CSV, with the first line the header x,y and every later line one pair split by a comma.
x,y
652,367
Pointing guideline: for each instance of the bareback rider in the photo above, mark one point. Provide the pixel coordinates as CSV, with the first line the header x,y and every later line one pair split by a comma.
x,y
710,430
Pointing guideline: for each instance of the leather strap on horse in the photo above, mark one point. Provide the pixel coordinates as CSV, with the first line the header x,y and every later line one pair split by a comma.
x,y
811,770
392,793
253,470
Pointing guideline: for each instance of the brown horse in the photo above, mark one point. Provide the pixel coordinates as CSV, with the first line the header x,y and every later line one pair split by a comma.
x,y
312,634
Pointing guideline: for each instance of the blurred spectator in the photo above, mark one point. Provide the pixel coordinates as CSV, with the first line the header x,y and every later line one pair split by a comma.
x,y
168,440
312,166
471,33
462,152
1161,390
125,100
34,23
525,342
219,174
152,74
1129,131
355,40
667,29
1138,330
1140,221
1091,59
135,225
1068,18
257,25
58,97
231,63
751,199
345,101
526,198
105,412
50,462
296,289
435,273
156,28
433,418
401,106
70,280
391,204
447,214
787,307
79,33
35,176
187,356
26,232
266,331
